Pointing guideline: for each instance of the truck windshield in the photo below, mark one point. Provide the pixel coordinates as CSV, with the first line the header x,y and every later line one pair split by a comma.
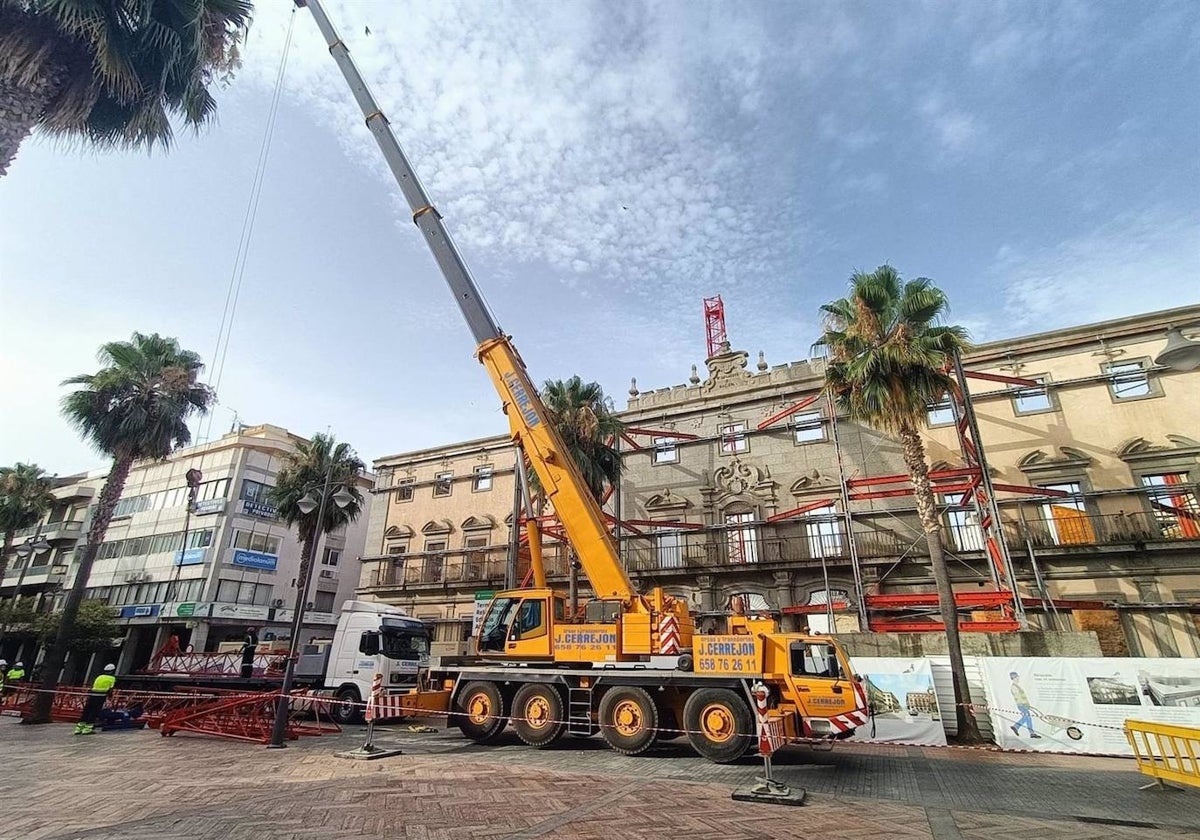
x,y
401,644
497,619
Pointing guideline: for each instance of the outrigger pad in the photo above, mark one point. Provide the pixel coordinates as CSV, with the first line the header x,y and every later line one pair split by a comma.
x,y
771,792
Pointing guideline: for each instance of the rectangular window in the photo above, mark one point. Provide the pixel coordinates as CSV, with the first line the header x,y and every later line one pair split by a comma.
x,y
397,549
1176,509
475,559
332,556
1129,380
251,541
741,538
1066,517
434,565
809,427
442,483
1032,400
323,602
212,490
823,531
668,547
940,414
665,451
482,479
733,439
255,491
965,531
404,490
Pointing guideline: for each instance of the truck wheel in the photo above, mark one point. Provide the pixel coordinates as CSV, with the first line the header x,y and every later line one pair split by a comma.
x,y
537,713
346,711
719,724
628,720
479,712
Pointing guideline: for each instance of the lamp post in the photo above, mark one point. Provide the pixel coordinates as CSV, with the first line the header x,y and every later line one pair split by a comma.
x,y
342,498
34,546
1180,354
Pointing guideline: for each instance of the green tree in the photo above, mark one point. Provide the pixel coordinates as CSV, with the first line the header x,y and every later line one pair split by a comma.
x,y
93,631
888,362
24,497
304,470
134,408
584,418
112,73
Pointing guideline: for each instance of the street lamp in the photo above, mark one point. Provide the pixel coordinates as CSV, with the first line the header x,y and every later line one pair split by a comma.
x,y
1180,353
35,545
310,501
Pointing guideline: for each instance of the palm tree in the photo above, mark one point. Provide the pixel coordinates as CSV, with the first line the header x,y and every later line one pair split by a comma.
x,y
24,497
305,470
112,73
584,418
888,361
134,408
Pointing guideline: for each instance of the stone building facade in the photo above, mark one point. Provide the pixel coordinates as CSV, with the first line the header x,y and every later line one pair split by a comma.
x,y
731,490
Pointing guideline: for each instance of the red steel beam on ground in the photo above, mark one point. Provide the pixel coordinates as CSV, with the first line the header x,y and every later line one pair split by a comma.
x,y
637,430
1007,380
905,626
788,514
788,412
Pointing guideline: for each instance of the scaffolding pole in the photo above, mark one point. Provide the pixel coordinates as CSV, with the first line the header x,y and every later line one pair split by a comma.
x,y
859,595
983,496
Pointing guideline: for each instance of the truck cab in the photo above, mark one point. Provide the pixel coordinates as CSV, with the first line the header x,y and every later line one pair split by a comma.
x,y
370,639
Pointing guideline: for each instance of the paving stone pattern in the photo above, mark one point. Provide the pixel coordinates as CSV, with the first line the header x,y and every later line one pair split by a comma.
x,y
139,785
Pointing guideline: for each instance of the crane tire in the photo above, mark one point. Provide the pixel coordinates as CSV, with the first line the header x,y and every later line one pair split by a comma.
x,y
628,719
538,715
479,712
719,724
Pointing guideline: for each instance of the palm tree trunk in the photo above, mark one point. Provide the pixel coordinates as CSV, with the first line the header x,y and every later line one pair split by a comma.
x,y
918,470
20,109
114,486
8,541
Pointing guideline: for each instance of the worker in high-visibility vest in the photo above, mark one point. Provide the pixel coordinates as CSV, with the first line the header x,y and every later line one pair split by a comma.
x,y
98,696
14,675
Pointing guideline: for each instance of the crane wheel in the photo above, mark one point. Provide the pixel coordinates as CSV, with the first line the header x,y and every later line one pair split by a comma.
x,y
719,724
537,713
628,720
479,712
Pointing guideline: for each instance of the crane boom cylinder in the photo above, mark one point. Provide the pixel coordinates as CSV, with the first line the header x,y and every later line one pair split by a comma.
x,y
425,215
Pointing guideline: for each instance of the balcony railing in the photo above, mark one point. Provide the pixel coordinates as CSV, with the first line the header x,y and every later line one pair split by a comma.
x,y
1110,519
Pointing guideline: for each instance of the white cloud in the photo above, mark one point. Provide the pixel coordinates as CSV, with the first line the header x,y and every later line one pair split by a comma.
x,y
581,136
1137,262
957,132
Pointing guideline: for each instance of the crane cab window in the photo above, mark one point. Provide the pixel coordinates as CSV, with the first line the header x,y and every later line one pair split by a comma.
x,y
531,620
815,660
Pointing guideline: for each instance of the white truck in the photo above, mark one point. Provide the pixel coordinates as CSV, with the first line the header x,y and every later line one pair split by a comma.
x,y
370,639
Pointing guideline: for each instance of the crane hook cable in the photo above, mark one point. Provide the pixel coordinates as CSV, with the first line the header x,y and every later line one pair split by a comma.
x,y
225,330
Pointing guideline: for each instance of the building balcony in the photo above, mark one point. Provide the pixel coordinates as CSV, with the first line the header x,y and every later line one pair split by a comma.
x,y
52,531
474,568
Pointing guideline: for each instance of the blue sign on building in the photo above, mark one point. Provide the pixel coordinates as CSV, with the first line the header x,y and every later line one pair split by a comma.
x,y
255,559
191,557
140,611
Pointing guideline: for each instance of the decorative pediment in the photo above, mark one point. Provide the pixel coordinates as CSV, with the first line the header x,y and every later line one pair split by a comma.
x,y
1181,452
479,523
1068,460
811,483
437,526
666,500
398,531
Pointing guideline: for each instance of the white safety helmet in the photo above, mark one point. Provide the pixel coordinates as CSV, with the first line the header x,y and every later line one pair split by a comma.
x,y
3,662
19,665
110,667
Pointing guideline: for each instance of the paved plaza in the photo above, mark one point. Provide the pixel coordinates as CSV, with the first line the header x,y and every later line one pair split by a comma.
x,y
139,785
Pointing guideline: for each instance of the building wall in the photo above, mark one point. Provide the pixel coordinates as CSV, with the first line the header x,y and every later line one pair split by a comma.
x,y
706,503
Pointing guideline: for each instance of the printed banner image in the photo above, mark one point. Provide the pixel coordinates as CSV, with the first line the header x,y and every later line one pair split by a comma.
x,y
1081,705
902,693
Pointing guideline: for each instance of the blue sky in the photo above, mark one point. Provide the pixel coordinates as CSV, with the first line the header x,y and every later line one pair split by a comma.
x,y
604,167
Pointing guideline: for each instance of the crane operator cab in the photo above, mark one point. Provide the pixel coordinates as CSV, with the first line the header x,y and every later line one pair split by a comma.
x,y
521,623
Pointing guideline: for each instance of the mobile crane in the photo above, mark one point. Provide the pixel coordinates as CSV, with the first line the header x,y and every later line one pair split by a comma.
x,y
632,666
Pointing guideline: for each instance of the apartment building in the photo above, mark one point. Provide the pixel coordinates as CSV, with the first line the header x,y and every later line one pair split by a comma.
x,y
205,574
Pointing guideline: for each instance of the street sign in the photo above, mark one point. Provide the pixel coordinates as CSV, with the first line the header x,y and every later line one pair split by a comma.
x,y
482,599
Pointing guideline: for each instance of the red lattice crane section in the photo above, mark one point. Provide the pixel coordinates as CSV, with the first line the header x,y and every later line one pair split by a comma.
x,y
714,324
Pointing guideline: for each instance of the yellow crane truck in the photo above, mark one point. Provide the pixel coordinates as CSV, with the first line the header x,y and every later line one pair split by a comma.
x,y
630,665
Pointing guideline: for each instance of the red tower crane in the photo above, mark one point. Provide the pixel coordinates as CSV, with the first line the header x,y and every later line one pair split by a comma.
x,y
714,324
